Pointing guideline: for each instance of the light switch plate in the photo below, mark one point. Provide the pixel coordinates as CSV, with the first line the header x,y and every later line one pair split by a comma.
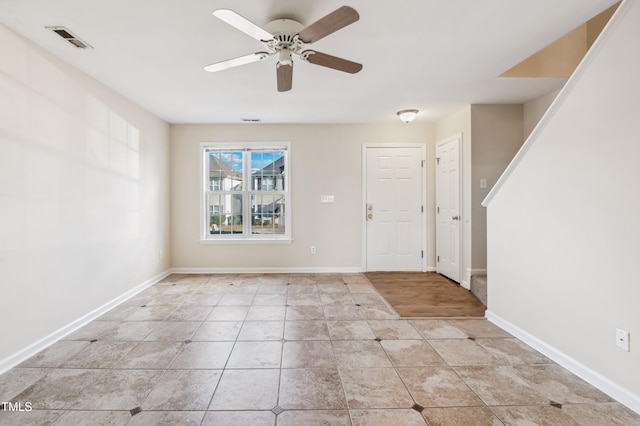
x,y
326,198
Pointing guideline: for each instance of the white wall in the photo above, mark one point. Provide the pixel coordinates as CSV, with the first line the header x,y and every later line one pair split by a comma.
x,y
83,207
325,159
563,221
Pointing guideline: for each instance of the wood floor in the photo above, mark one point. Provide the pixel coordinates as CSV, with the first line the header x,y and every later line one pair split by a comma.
x,y
425,295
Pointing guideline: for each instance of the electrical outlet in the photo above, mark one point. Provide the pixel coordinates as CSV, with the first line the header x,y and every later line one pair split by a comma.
x,y
161,254
313,250
622,339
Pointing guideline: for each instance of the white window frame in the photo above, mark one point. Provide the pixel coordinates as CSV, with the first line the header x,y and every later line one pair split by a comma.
x,y
246,236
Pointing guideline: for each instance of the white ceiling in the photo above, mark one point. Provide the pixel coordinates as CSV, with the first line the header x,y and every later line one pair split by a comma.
x,y
433,55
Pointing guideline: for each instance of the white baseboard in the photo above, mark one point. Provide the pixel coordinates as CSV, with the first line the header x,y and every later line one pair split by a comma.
x,y
26,353
304,270
617,392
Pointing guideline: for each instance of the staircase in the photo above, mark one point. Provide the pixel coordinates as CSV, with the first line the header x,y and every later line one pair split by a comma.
x,y
479,287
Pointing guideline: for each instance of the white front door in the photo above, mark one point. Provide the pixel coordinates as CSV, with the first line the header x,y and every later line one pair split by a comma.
x,y
448,214
393,208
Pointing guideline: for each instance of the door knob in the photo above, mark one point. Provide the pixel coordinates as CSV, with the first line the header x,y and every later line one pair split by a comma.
x,y
455,217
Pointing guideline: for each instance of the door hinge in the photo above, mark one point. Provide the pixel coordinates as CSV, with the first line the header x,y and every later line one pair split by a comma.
x,y
421,209
437,160
438,259
423,161
422,254
437,209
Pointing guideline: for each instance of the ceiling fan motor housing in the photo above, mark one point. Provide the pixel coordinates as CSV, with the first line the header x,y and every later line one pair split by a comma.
x,y
285,38
284,27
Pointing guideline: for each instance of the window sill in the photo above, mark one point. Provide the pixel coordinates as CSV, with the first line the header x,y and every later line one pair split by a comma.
x,y
247,241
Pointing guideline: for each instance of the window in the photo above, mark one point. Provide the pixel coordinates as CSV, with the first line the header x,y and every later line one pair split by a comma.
x,y
215,184
246,192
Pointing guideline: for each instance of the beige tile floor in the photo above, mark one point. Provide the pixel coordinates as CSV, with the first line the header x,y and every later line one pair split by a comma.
x,y
293,350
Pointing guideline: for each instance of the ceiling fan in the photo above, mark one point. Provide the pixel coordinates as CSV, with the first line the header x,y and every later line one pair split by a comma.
x,y
286,37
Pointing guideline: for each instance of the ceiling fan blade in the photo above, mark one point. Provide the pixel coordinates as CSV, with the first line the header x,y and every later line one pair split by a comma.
x,y
242,24
331,23
285,76
333,62
242,60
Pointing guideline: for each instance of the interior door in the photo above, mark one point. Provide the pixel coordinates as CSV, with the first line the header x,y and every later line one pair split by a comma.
x,y
393,210
448,214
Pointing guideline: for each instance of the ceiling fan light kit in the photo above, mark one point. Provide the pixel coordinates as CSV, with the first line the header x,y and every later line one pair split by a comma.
x,y
288,38
407,115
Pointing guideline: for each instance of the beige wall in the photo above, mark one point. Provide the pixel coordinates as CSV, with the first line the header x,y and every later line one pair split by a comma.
x,y
84,208
325,159
563,221
491,135
496,137
535,109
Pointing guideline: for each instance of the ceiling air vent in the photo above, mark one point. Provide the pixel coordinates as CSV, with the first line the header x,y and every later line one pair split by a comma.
x,y
70,37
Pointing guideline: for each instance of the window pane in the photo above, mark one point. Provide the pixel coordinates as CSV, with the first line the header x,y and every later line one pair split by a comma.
x,y
234,224
225,213
225,170
215,210
267,214
267,168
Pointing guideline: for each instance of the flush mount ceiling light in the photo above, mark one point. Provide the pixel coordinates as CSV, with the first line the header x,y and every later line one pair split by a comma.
x,y
407,115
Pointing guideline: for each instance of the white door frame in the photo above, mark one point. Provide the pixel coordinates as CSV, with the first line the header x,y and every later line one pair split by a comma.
x,y
423,196
457,136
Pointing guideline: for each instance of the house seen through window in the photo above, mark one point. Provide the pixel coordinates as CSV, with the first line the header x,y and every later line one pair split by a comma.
x,y
246,192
